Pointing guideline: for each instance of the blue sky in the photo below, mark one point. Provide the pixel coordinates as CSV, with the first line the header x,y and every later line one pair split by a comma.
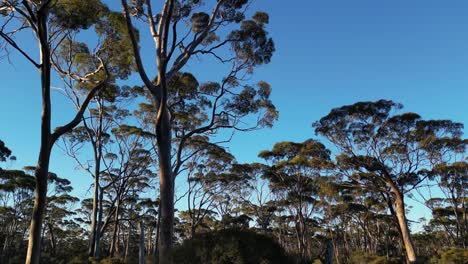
x,y
329,53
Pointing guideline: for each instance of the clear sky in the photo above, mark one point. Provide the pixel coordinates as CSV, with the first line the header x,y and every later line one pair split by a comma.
x,y
329,53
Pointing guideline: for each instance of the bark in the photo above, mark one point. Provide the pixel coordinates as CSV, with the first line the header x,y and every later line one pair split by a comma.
x,y
97,148
166,188
113,244
42,168
97,246
156,237
94,214
52,239
329,252
403,223
127,244
141,257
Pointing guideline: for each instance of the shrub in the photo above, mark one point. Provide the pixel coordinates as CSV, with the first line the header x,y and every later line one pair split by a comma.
x,y
451,256
359,257
230,246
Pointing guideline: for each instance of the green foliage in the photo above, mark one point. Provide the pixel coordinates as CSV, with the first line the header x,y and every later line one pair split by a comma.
x,y
116,45
229,246
77,14
359,257
251,42
199,21
451,256
4,151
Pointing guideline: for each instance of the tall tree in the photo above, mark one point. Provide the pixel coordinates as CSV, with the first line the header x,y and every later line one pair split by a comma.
x,y
48,20
384,152
174,48
293,176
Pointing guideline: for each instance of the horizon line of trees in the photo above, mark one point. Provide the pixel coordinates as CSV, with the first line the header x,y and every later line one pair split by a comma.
x,y
338,207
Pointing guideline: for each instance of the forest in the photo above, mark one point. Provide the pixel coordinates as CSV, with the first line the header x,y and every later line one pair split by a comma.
x,y
148,98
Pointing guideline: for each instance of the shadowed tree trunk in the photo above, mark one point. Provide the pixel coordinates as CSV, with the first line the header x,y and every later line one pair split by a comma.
x,y
141,256
97,249
114,241
93,237
166,188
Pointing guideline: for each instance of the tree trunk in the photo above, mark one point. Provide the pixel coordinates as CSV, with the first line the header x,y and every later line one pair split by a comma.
x,y
141,257
52,239
42,168
156,235
113,244
403,224
166,189
329,252
35,229
97,246
127,244
94,214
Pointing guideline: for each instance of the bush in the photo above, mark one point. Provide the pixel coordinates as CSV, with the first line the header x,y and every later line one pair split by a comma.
x,y
451,256
230,247
359,257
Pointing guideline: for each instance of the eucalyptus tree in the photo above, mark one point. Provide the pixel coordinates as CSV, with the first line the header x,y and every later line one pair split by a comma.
x,y
128,172
450,211
73,59
450,170
16,198
49,21
205,178
58,212
105,114
293,176
183,30
257,198
384,152
5,152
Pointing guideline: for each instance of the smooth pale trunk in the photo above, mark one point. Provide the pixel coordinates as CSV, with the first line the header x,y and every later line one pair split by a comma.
x,y
166,189
403,223
97,244
35,229
94,215
42,168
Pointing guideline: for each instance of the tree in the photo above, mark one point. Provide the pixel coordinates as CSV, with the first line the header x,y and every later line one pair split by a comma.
x,y
16,195
384,153
174,49
207,179
5,152
293,176
74,59
49,20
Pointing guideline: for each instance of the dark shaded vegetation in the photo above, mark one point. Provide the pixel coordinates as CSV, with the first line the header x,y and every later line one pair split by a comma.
x,y
230,246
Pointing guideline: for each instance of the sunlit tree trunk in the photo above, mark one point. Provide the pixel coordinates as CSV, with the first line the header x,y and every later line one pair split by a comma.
x,y
403,223
42,167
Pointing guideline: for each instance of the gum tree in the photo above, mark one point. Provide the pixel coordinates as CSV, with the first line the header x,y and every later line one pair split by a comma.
x,y
385,152
293,176
175,45
49,21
